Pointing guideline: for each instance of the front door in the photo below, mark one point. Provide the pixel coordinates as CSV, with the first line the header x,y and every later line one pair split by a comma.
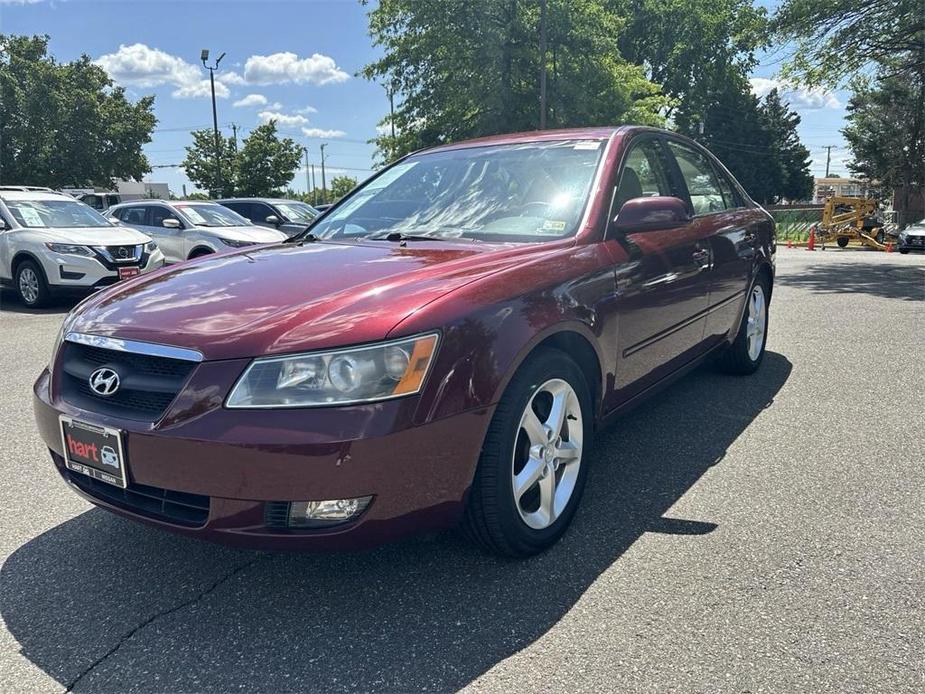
x,y
173,242
661,285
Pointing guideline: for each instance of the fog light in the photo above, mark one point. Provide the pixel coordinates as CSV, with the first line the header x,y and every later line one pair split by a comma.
x,y
304,514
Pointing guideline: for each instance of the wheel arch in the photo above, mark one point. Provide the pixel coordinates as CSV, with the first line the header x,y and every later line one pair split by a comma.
x,y
199,251
20,257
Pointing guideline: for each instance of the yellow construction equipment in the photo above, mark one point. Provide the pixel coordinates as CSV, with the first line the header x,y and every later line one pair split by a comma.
x,y
847,218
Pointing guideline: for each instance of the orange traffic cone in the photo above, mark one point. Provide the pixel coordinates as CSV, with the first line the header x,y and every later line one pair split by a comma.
x,y
789,243
889,247
811,246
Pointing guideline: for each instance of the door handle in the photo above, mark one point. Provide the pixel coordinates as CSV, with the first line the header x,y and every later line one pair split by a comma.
x,y
702,258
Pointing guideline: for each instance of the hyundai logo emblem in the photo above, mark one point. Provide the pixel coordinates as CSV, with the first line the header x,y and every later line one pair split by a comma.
x,y
104,382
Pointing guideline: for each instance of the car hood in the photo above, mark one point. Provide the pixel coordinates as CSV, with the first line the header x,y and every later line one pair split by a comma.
x,y
98,236
914,231
256,234
289,297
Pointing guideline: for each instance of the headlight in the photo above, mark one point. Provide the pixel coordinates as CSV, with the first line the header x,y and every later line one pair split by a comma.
x,y
236,244
150,246
338,377
68,248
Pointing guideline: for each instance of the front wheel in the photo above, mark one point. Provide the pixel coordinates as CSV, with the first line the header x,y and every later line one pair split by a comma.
x,y
532,469
842,241
745,354
31,285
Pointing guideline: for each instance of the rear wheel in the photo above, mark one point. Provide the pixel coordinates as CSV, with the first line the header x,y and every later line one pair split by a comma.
x,y
31,285
746,353
842,241
532,470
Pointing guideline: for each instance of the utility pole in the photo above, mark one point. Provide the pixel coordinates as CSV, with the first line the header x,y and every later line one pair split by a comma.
x,y
324,189
308,180
828,158
392,109
234,135
204,56
314,189
542,64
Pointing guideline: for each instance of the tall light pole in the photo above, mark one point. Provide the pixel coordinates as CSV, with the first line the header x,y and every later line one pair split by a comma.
x,y
324,190
204,56
543,65
308,180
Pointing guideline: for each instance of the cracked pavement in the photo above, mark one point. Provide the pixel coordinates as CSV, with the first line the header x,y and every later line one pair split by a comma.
x,y
759,534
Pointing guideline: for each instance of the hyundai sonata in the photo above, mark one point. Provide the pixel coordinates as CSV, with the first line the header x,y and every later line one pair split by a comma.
x,y
435,351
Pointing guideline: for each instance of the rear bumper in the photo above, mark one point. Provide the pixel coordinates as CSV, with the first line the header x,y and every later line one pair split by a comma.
x,y
236,463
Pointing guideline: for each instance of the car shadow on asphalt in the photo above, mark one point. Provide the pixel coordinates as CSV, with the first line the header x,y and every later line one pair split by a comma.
x,y
102,603
11,303
886,280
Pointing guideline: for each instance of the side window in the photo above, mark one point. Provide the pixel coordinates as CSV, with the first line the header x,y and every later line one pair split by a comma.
x,y
159,214
730,194
242,208
133,215
643,175
698,174
259,213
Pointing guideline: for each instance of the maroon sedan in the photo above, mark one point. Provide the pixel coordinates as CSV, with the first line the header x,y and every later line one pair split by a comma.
x,y
437,350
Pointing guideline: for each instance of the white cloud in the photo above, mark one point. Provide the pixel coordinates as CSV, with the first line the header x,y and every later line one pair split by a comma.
x,y
20,2
251,100
280,68
142,66
799,97
202,88
231,77
307,109
320,132
282,119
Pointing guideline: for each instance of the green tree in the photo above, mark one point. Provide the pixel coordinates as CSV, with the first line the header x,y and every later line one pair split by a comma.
x,y
693,49
340,186
886,129
466,68
66,124
787,154
839,38
262,167
200,168
266,163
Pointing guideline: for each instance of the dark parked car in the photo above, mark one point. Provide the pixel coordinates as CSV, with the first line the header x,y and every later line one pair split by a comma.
x,y
438,351
289,216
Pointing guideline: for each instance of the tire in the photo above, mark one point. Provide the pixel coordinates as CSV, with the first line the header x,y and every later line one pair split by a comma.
x,y
880,237
740,357
521,527
31,285
842,241
903,251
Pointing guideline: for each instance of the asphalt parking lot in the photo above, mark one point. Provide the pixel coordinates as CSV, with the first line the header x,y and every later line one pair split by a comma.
x,y
741,535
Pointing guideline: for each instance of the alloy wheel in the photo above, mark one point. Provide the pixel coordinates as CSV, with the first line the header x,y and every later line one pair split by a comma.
x,y
757,321
547,454
29,285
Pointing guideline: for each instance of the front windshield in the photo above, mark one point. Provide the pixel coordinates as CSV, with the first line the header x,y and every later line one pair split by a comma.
x,y
523,192
211,215
54,214
297,211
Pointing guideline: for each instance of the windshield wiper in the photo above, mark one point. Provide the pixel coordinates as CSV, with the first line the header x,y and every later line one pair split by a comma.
x,y
302,239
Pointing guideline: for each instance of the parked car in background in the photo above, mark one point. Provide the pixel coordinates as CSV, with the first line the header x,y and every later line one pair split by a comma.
x,y
188,229
288,216
52,244
323,207
100,201
912,238
439,350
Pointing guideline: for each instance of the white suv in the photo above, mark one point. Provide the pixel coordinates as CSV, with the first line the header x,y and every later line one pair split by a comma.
x,y
51,243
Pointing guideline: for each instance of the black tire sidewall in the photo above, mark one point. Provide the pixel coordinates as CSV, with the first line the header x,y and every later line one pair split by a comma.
x,y
545,366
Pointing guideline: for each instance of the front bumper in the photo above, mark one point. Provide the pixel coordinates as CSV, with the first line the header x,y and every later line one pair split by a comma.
x,y
242,461
911,243
75,274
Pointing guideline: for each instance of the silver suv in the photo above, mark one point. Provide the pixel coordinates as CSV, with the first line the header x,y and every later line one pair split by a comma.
x,y
188,229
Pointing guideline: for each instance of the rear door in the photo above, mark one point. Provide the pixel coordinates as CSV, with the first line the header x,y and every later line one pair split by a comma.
x,y
732,228
662,288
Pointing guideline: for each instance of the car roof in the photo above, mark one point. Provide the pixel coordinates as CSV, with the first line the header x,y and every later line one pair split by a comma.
x,y
593,133
269,200
21,193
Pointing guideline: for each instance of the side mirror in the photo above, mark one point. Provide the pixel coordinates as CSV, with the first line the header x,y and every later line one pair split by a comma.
x,y
273,219
2,224
114,220
171,223
651,214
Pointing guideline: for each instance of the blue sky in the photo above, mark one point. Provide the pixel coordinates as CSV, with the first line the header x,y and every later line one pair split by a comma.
x,y
293,61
